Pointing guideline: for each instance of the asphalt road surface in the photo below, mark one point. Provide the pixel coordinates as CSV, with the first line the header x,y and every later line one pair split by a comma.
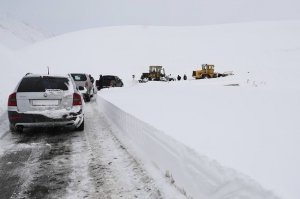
x,y
63,163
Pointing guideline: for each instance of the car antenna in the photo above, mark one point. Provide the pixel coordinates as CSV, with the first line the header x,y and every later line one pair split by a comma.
x,y
48,69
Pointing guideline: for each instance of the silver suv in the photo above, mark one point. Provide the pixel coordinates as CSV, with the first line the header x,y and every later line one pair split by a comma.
x,y
45,101
83,80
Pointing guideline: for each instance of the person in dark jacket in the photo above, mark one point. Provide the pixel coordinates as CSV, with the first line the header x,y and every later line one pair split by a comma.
x,y
100,83
184,77
178,78
91,78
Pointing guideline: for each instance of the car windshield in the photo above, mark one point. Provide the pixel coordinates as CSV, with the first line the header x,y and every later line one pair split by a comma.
x,y
41,84
79,77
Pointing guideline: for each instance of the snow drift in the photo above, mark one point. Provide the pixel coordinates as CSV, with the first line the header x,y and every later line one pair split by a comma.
x,y
195,175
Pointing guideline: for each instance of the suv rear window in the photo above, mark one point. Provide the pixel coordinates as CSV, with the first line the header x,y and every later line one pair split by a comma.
x,y
79,77
41,84
109,77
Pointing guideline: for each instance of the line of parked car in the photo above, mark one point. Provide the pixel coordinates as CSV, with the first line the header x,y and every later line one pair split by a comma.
x,y
52,100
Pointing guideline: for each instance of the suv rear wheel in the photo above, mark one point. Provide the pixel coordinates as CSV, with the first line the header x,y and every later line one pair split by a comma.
x,y
87,97
81,127
19,129
12,128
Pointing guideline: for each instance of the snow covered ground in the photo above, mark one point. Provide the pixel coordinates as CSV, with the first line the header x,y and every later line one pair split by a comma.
x,y
246,133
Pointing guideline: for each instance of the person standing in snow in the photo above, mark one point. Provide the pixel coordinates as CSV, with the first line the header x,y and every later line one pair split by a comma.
x,y
100,83
178,78
91,78
184,77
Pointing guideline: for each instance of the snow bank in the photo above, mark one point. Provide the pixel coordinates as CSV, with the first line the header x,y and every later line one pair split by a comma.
x,y
195,174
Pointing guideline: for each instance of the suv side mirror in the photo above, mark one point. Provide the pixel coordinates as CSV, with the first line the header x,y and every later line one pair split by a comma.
x,y
81,88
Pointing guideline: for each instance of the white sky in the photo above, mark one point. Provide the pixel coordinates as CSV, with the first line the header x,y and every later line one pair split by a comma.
x,y
61,16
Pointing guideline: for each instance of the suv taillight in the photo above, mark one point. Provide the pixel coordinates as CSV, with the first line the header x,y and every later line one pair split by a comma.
x,y
76,99
12,100
86,84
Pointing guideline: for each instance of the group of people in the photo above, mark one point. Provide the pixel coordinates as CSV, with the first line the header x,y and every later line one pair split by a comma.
x,y
100,82
179,77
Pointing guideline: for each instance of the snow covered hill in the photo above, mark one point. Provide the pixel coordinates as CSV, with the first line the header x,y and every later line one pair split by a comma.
x,y
16,34
247,47
250,130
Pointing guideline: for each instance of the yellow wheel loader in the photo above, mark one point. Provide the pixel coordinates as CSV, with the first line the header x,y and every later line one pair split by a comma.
x,y
208,71
156,73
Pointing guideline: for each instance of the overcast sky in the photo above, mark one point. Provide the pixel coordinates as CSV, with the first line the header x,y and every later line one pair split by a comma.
x,y
61,16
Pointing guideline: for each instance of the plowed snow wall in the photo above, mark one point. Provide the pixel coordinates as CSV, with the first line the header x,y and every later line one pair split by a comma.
x,y
198,175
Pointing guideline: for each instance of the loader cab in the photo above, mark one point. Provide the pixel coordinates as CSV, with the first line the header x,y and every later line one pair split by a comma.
x,y
155,72
155,69
208,70
208,67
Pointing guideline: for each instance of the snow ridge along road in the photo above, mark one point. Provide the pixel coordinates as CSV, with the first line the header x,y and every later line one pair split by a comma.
x,y
61,163
206,178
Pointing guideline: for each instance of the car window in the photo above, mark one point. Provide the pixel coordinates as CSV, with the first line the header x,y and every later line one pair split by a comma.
x,y
41,84
79,77
109,77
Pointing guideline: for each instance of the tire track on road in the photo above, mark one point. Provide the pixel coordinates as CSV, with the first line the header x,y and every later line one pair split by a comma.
x,y
13,162
120,174
50,166
111,172
10,164
36,165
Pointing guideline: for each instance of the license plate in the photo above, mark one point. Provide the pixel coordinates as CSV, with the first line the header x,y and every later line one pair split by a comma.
x,y
45,102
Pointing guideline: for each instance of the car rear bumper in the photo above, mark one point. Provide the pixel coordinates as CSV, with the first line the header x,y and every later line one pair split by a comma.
x,y
36,120
46,124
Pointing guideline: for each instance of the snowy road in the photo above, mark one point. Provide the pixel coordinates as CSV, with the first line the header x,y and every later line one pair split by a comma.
x,y
62,163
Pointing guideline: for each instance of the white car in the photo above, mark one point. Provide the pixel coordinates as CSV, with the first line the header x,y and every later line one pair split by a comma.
x,y
45,101
82,79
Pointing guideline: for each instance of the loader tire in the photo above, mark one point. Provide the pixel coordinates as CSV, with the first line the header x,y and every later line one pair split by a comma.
x,y
205,77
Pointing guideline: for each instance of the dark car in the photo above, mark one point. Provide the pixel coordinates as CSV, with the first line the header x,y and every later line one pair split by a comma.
x,y
45,101
110,81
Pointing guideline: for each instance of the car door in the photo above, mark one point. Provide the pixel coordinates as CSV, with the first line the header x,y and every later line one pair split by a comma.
x,y
116,81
